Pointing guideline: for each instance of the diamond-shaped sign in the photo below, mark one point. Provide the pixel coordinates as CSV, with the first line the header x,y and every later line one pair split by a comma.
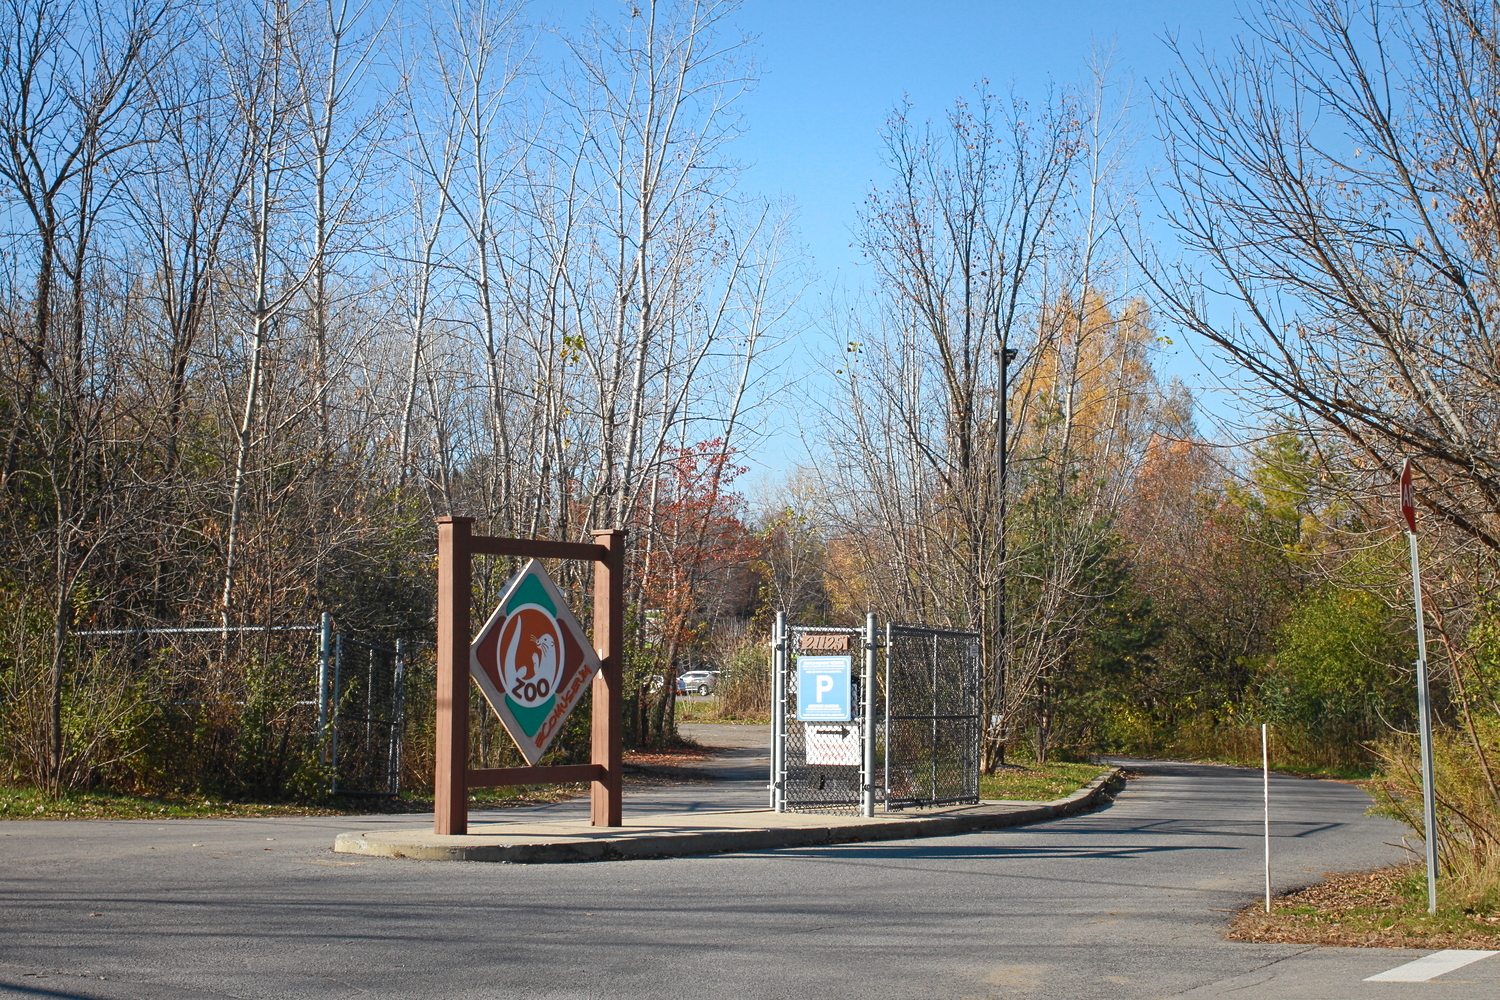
x,y
532,661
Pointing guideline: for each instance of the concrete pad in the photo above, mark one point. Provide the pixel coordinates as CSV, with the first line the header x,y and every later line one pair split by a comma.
x,y
710,832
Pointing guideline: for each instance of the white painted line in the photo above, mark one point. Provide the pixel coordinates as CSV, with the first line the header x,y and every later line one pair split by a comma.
x,y
1430,966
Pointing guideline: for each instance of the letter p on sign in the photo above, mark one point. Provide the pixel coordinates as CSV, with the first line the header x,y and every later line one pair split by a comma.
x,y
824,685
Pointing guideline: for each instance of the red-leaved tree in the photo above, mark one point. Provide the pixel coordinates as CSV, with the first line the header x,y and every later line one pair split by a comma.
x,y
694,571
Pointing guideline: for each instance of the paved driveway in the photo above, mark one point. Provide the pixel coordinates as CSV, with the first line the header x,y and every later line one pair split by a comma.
x,y
1125,902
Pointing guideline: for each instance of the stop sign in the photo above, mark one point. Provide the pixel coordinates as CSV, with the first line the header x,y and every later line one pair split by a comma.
x,y
1408,499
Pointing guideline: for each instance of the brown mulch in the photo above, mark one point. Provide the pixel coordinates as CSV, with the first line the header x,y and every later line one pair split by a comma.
x,y
670,765
1362,910
666,756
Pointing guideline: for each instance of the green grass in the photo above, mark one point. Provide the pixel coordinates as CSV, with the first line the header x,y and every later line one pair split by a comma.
x,y
29,803
505,797
697,711
1037,783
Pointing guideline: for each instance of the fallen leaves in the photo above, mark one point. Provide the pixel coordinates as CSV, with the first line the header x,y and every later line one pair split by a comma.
x,y
1374,909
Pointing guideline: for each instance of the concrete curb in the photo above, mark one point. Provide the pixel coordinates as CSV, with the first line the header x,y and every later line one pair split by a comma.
x,y
713,833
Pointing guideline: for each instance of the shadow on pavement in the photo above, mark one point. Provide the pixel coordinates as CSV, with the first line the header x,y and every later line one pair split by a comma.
x,y
926,851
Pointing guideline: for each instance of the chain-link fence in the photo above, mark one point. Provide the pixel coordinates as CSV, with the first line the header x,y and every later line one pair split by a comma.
x,y
906,732
929,719
366,720
262,711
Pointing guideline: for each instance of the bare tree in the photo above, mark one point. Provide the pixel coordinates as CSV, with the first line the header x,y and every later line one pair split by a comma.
x,y
1336,173
229,346
958,240
309,144
72,118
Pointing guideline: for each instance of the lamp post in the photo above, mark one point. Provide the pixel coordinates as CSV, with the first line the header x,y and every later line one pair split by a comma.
x,y
1002,443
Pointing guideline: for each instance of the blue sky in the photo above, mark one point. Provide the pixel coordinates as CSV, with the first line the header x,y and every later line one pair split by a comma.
x,y
832,70
830,73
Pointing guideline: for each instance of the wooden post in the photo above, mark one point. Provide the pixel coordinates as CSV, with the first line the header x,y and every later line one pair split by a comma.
x,y
609,643
450,793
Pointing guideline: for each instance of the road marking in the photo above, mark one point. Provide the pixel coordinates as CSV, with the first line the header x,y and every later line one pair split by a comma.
x,y
1430,966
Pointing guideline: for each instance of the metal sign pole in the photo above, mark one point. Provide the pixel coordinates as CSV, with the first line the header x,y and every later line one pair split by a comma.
x,y
1424,710
1265,778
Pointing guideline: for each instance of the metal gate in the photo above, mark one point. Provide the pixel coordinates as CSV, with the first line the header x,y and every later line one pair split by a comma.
x,y
821,766
913,733
929,719
364,715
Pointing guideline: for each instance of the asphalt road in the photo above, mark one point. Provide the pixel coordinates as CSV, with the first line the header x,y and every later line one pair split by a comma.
x,y
1126,902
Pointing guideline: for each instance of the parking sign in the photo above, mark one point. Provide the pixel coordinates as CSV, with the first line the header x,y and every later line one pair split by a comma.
x,y
823,688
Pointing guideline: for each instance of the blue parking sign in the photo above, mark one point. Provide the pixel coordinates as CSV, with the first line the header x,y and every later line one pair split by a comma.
x,y
824,689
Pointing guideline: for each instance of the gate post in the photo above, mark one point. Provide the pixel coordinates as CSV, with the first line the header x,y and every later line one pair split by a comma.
x,y
606,795
886,714
336,710
778,712
450,792
398,716
325,654
867,761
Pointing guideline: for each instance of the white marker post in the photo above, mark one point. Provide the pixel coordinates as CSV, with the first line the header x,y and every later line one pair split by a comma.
x,y
1265,779
1424,713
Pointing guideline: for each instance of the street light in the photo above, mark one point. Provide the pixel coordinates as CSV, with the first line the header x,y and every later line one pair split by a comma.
x,y
1002,443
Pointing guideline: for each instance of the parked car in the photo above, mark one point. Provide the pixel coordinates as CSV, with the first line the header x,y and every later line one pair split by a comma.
x,y
698,682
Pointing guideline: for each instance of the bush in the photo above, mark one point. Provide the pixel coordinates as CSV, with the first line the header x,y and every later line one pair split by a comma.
x,y
105,705
1468,808
1330,691
745,682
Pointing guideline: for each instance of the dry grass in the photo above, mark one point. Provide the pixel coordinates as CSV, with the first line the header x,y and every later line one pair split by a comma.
x,y
1386,908
714,709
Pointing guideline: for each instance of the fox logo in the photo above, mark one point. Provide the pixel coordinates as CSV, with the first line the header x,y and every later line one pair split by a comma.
x,y
530,660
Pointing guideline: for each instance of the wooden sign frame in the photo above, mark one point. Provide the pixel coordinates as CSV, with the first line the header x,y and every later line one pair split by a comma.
x,y
457,545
